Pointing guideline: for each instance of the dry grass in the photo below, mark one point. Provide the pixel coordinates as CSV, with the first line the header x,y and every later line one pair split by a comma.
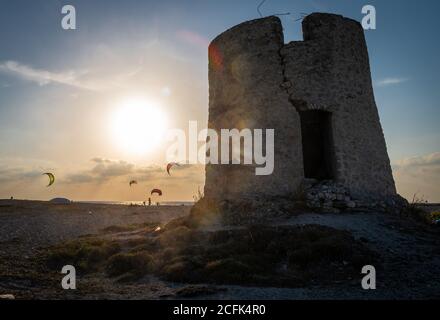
x,y
86,254
127,228
414,210
255,255
199,196
135,263
287,256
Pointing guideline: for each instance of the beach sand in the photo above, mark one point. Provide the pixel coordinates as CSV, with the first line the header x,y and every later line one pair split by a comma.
x,y
28,226
42,223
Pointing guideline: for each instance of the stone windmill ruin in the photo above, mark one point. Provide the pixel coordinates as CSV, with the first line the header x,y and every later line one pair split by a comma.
x,y
317,94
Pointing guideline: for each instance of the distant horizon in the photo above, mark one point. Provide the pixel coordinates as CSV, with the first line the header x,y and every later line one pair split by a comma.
x,y
100,201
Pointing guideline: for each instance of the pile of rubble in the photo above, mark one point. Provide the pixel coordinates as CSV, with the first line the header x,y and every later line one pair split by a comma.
x,y
328,196
317,196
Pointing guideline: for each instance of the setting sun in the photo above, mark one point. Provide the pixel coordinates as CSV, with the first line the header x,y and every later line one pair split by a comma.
x,y
138,125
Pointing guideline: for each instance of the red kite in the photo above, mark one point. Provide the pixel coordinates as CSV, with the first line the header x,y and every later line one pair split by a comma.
x,y
158,191
170,165
133,182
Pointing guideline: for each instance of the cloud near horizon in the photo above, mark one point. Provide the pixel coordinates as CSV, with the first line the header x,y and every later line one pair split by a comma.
x,y
429,160
102,170
419,175
99,179
20,169
106,169
413,175
9,174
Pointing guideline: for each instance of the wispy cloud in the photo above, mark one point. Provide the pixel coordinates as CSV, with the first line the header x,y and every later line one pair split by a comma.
x,y
391,81
43,77
8,174
16,169
82,79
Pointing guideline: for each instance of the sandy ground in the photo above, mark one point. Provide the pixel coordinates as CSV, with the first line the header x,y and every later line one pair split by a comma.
x,y
410,254
42,223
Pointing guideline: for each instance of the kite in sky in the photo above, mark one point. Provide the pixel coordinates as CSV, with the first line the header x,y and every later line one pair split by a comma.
x,y
170,165
133,182
51,178
158,191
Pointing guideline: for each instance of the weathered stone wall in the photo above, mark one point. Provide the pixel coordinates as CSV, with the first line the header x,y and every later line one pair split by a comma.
x,y
330,71
245,74
256,81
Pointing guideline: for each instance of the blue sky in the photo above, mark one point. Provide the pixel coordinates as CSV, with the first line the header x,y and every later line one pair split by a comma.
x,y
51,80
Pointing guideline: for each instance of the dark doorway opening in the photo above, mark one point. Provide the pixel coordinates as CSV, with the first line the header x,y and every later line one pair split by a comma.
x,y
317,144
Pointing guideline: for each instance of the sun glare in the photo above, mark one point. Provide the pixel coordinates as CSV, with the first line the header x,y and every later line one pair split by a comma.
x,y
138,125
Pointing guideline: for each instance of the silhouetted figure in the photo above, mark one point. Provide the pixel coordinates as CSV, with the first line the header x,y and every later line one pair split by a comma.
x,y
149,201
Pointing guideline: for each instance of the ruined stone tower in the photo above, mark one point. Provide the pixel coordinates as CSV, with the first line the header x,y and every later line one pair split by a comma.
x,y
317,95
